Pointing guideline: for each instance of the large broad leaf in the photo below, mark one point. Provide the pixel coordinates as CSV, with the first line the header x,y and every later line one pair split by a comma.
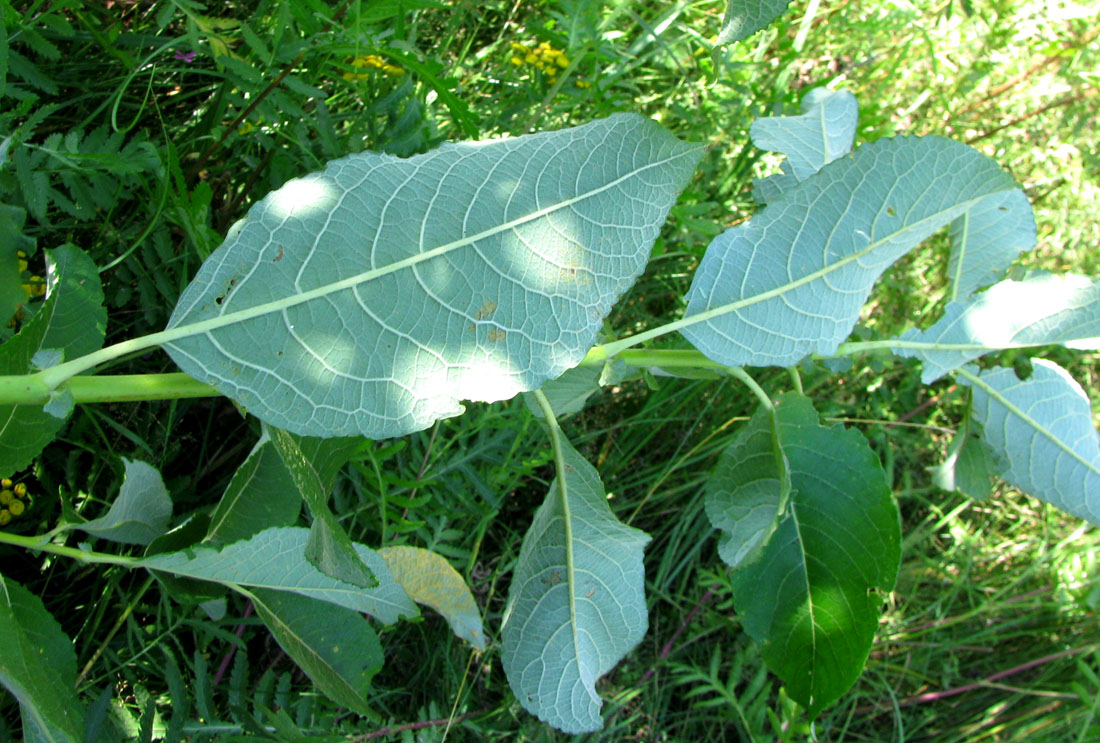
x,y
745,17
371,297
341,654
275,559
1041,434
430,580
78,321
72,318
1012,314
577,601
12,240
986,239
968,466
38,667
748,492
822,133
313,464
811,598
260,495
792,280
141,511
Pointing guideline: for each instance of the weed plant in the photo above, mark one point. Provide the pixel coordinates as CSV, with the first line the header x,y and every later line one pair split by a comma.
x,y
141,131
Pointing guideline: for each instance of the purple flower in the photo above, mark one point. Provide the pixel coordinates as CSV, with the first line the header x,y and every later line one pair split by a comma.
x,y
185,56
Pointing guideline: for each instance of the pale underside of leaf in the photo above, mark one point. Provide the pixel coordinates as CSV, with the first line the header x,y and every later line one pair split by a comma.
x,y
792,281
986,239
822,133
141,511
1041,310
275,559
569,622
371,297
1041,434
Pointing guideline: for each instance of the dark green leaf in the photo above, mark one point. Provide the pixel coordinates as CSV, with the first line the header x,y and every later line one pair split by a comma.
x,y
811,600
313,464
38,666
745,17
340,654
261,495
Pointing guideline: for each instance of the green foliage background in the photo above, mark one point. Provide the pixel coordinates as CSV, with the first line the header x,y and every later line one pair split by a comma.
x,y
141,131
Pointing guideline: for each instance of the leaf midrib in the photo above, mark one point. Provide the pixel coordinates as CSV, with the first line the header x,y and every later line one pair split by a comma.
x,y
977,381
205,326
615,347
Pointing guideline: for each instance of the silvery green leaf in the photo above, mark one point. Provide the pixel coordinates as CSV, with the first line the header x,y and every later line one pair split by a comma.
x,y
769,188
986,239
577,601
968,466
793,279
748,491
47,357
569,392
275,559
1041,434
371,297
745,17
1041,310
141,511
60,405
822,133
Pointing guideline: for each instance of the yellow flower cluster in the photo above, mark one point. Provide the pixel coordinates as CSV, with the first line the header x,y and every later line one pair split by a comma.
x,y
12,499
371,62
35,286
544,57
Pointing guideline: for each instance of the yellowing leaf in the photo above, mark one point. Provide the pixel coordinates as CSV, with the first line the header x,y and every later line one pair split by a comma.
x,y
430,580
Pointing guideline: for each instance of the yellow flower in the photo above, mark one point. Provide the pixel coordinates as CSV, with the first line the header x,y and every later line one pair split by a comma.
x,y
5,517
5,483
373,61
20,490
5,497
36,287
16,507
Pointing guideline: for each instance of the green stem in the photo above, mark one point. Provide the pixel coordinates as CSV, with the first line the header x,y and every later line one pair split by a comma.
x,y
848,349
34,389
796,379
743,376
30,389
673,358
88,556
